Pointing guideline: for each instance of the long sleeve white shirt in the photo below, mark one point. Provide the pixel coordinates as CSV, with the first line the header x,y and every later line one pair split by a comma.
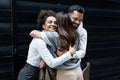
x,y
82,44
38,50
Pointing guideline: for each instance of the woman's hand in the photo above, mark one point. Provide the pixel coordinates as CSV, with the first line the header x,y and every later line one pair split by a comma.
x,y
35,34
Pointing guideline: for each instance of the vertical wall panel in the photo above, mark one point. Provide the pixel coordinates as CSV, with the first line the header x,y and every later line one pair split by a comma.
x,y
6,59
102,22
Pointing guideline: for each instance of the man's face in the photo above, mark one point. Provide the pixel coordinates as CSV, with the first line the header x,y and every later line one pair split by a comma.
x,y
50,24
76,18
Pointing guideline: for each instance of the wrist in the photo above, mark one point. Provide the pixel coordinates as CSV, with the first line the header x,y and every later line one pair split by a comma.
x,y
71,54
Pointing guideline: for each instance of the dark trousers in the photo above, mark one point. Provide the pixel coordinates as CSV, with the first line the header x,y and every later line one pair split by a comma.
x,y
29,72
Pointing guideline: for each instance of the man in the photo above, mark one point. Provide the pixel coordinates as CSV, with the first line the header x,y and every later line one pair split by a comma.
x,y
76,13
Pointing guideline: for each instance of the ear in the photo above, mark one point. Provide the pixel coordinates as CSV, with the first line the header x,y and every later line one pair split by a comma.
x,y
81,24
43,26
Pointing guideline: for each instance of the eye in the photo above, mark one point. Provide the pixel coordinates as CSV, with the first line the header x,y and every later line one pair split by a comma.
x,y
50,22
55,22
75,19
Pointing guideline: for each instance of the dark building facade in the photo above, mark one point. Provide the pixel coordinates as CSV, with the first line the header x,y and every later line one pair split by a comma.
x,y
102,21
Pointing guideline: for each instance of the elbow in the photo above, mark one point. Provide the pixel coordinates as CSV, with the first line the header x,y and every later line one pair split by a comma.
x,y
52,66
83,55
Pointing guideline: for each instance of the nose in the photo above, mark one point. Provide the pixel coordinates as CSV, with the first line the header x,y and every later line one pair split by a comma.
x,y
77,22
52,23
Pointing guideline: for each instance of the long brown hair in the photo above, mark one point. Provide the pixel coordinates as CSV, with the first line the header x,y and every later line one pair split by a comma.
x,y
68,34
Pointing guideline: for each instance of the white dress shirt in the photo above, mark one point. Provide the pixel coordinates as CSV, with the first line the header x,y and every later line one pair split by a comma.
x,y
38,50
82,44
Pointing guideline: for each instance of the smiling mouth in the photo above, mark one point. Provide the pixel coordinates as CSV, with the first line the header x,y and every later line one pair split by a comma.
x,y
75,24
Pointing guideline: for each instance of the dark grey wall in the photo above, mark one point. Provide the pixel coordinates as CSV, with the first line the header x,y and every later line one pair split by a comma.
x,y
6,48
102,21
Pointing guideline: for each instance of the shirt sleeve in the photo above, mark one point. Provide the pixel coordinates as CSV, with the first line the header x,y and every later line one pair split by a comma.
x,y
47,57
50,38
46,38
80,53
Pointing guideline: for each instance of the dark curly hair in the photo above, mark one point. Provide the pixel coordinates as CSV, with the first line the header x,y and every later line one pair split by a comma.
x,y
43,15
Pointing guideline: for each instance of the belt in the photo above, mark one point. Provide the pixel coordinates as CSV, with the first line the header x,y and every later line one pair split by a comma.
x,y
29,65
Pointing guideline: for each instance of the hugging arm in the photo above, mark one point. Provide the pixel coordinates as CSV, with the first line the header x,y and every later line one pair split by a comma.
x,y
46,36
80,53
48,58
35,34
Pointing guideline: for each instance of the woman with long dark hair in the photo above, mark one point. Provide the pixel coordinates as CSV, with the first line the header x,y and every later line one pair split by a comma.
x,y
60,41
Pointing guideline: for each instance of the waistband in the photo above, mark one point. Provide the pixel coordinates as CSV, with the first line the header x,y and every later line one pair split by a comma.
x,y
29,65
70,69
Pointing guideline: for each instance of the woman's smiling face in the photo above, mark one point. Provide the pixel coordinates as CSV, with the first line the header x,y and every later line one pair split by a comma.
x,y
50,24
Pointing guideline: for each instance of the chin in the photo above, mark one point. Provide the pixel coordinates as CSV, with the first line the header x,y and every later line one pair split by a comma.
x,y
75,27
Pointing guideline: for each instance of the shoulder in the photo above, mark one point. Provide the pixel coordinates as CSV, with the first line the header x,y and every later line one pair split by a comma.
x,y
50,34
37,44
82,31
37,41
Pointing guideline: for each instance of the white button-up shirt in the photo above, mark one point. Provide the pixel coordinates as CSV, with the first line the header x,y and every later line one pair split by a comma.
x,y
38,50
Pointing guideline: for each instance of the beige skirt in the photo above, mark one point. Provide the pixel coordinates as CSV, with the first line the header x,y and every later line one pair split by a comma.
x,y
72,74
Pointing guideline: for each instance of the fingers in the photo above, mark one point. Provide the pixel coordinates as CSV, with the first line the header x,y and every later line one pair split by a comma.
x,y
73,46
42,64
72,49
